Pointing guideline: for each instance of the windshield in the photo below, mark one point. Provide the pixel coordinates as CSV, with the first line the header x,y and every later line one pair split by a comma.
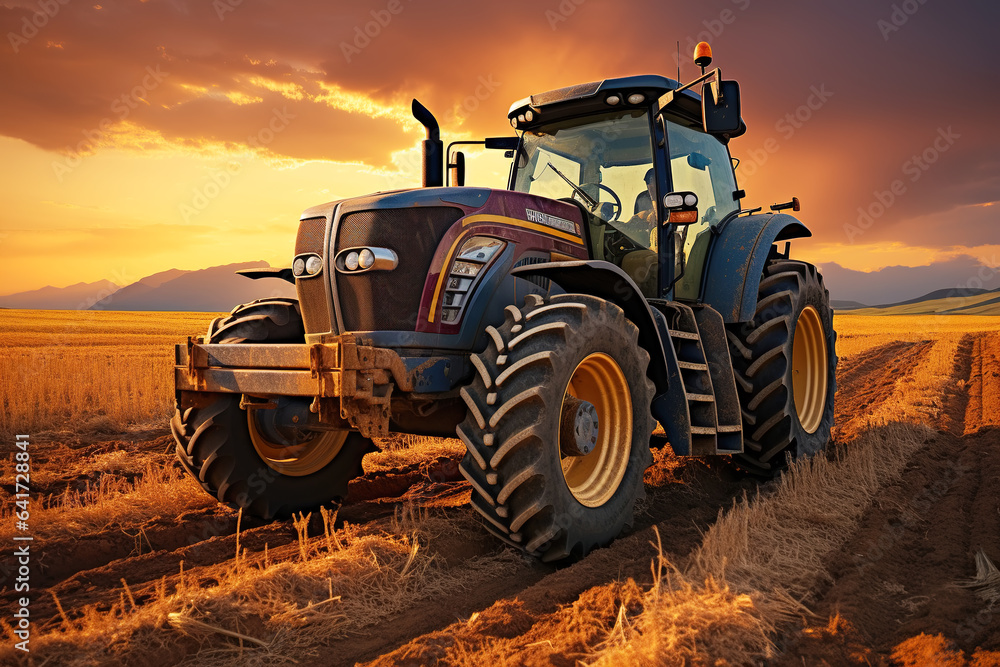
x,y
602,161
605,162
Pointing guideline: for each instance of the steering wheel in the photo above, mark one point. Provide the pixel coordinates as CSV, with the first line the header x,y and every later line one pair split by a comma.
x,y
616,207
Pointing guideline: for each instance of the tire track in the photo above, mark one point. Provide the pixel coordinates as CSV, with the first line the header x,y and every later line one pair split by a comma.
x,y
681,511
88,569
983,408
868,379
897,577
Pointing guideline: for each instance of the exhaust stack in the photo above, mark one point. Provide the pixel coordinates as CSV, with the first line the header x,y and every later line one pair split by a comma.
x,y
433,160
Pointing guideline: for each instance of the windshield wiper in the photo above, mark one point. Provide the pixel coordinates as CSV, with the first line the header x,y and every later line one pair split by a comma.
x,y
593,203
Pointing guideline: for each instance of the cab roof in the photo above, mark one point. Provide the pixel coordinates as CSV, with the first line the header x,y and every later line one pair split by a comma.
x,y
647,84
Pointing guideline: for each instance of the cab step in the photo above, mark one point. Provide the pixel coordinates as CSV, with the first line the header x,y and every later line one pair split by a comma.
x,y
707,420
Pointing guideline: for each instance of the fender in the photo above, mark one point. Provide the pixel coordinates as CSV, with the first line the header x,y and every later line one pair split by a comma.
x,y
609,282
736,262
257,274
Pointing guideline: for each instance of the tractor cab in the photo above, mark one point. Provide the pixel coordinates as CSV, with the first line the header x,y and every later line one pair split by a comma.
x,y
617,148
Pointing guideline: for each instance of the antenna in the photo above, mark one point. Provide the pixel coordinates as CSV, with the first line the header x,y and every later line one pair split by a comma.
x,y
678,61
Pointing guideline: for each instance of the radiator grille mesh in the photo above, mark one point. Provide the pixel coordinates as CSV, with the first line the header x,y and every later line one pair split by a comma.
x,y
390,300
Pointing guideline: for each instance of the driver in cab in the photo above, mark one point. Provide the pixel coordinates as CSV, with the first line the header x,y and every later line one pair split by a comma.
x,y
641,264
645,211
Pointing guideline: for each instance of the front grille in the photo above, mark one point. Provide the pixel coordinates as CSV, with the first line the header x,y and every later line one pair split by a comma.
x,y
390,300
312,233
312,291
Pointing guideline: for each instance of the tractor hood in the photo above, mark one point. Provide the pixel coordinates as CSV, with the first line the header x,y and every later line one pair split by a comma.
x,y
421,233
466,197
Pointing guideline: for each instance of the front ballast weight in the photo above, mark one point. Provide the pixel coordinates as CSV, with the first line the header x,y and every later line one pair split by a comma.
x,y
351,384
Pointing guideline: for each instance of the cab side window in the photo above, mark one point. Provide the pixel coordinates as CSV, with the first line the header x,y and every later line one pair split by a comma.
x,y
699,163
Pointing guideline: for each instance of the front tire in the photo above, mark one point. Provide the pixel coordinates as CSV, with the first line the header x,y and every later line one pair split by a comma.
x,y
546,477
232,458
785,362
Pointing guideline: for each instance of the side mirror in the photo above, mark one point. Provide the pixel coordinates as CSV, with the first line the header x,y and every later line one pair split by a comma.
x,y
456,169
720,115
682,208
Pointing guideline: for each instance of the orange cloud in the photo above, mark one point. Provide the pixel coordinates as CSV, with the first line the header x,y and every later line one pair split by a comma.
x,y
148,100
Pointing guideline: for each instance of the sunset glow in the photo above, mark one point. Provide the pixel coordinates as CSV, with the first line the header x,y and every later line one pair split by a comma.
x,y
197,134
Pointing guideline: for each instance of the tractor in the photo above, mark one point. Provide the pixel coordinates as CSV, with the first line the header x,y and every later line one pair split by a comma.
x,y
614,298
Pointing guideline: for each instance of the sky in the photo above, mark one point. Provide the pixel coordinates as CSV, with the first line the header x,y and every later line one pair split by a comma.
x,y
138,136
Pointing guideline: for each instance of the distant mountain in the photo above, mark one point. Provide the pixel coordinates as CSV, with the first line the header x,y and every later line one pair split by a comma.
x,y
897,285
979,308
846,305
216,289
951,293
941,302
75,297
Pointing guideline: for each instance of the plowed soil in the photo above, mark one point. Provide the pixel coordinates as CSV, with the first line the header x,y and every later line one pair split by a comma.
x,y
895,589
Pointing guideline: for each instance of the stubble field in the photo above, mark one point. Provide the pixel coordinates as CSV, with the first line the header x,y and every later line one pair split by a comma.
x,y
882,552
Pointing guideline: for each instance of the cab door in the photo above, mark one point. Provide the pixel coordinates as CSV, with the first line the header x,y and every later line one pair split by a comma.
x,y
699,163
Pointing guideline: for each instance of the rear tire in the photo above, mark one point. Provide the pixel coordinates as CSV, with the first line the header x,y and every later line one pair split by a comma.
x,y
550,354
233,461
785,363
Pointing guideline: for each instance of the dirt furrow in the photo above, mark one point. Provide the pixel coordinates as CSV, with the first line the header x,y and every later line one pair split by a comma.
x,y
681,509
899,575
983,409
88,569
896,577
868,379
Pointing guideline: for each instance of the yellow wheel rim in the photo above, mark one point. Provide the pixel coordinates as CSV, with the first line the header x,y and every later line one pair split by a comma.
x,y
305,458
809,369
594,478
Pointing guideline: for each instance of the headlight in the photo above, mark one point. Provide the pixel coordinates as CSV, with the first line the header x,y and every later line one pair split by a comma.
x,y
474,255
298,266
351,261
359,260
479,249
466,268
314,265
